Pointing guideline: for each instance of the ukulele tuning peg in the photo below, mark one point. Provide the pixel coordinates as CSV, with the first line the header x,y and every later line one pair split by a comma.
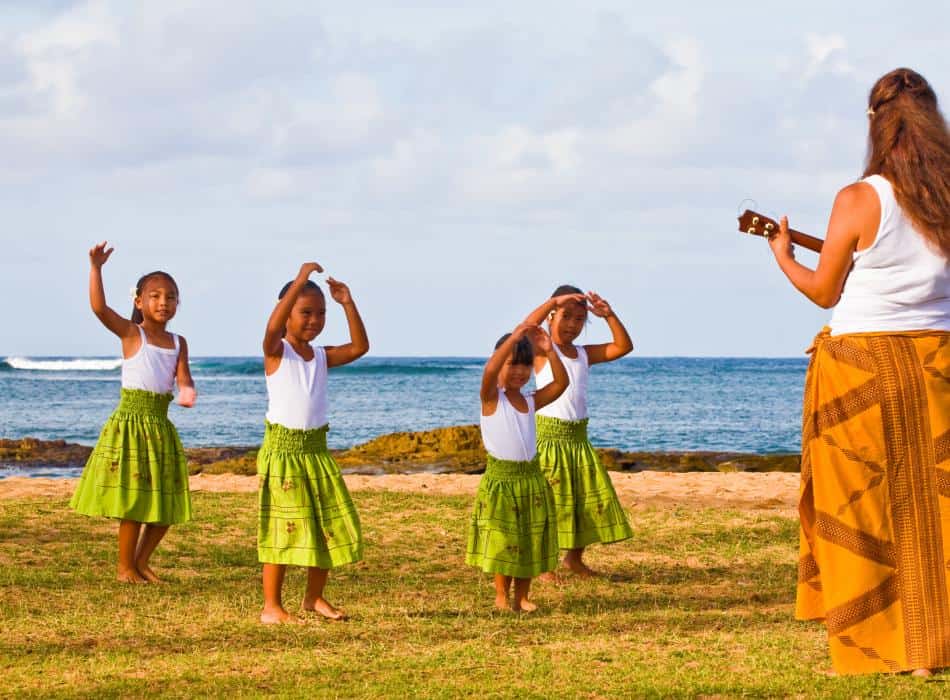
x,y
751,230
755,220
769,227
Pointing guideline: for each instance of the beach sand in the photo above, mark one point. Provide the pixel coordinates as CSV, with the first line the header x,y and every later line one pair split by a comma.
x,y
772,491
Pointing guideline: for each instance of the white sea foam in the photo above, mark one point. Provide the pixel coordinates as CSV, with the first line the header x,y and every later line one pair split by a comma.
x,y
68,365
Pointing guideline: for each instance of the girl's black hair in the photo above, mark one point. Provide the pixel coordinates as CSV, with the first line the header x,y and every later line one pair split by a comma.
x,y
136,316
566,289
309,287
523,353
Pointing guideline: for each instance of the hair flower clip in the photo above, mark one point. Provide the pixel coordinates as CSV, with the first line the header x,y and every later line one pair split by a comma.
x,y
133,293
870,112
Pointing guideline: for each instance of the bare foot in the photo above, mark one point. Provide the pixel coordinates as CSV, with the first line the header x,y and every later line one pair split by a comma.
x,y
322,607
579,568
524,606
129,576
146,572
922,673
501,602
278,616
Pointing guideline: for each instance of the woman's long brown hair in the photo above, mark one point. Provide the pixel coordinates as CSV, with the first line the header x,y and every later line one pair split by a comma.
x,y
908,143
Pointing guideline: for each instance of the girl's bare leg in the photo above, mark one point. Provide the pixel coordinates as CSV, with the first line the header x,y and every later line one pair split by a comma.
x,y
520,602
573,560
150,538
273,611
128,542
313,599
502,584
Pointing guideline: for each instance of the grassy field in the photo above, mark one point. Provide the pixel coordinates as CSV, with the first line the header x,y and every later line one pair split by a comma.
x,y
699,604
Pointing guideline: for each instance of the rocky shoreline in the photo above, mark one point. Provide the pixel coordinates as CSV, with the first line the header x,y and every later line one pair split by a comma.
x,y
456,449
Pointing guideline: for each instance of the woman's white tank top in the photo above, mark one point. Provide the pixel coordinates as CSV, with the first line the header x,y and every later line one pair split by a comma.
x,y
572,404
508,433
152,368
297,391
898,283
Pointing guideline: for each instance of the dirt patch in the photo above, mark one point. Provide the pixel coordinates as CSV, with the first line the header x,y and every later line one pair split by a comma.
x,y
743,491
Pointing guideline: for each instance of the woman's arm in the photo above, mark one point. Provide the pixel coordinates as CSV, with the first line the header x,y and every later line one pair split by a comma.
x,y
359,342
550,392
186,385
122,327
854,220
620,345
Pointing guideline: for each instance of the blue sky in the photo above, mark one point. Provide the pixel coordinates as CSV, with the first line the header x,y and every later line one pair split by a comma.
x,y
452,165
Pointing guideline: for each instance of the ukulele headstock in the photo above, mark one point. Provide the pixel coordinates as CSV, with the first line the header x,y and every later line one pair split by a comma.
x,y
757,224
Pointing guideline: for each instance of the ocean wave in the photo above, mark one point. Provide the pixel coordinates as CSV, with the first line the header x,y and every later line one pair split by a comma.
x,y
62,365
245,367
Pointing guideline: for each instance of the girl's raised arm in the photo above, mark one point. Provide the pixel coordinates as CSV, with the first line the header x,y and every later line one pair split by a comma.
x,y
549,392
537,317
621,343
489,389
278,317
186,385
122,327
359,342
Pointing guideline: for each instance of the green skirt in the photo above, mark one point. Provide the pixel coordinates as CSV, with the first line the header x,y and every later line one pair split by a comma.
x,y
588,509
512,530
306,515
137,470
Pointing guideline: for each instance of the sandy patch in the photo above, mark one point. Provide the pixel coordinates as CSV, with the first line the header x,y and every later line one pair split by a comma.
x,y
773,491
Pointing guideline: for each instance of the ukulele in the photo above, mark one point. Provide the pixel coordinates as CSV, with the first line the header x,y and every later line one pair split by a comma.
x,y
760,225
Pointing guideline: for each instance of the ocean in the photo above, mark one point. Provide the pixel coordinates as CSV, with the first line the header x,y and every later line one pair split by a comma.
x,y
637,403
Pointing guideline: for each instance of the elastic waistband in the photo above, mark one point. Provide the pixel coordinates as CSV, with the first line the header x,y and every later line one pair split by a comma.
x,y
144,403
511,469
558,429
281,439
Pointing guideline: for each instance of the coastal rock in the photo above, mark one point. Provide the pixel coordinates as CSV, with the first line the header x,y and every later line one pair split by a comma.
x,y
455,449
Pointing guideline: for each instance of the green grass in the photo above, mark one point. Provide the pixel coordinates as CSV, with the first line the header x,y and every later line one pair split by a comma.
x,y
700,604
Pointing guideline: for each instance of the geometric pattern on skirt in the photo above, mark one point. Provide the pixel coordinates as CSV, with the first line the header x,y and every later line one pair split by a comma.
x,y
512,530
137,470
306,516
587,506
874,500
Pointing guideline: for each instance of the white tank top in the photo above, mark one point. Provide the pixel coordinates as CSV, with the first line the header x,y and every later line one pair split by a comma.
x,y
297,391
152,368
572,404
508,433
899,282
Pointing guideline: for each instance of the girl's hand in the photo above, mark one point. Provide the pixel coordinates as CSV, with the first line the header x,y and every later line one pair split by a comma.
x,y
308,268
598,305
98,254
339,291
522,329
781,241
187,396
540,339
568,298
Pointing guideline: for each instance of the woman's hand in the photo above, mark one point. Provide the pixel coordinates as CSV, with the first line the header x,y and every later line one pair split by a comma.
x,y
339,291
99,254
781,240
